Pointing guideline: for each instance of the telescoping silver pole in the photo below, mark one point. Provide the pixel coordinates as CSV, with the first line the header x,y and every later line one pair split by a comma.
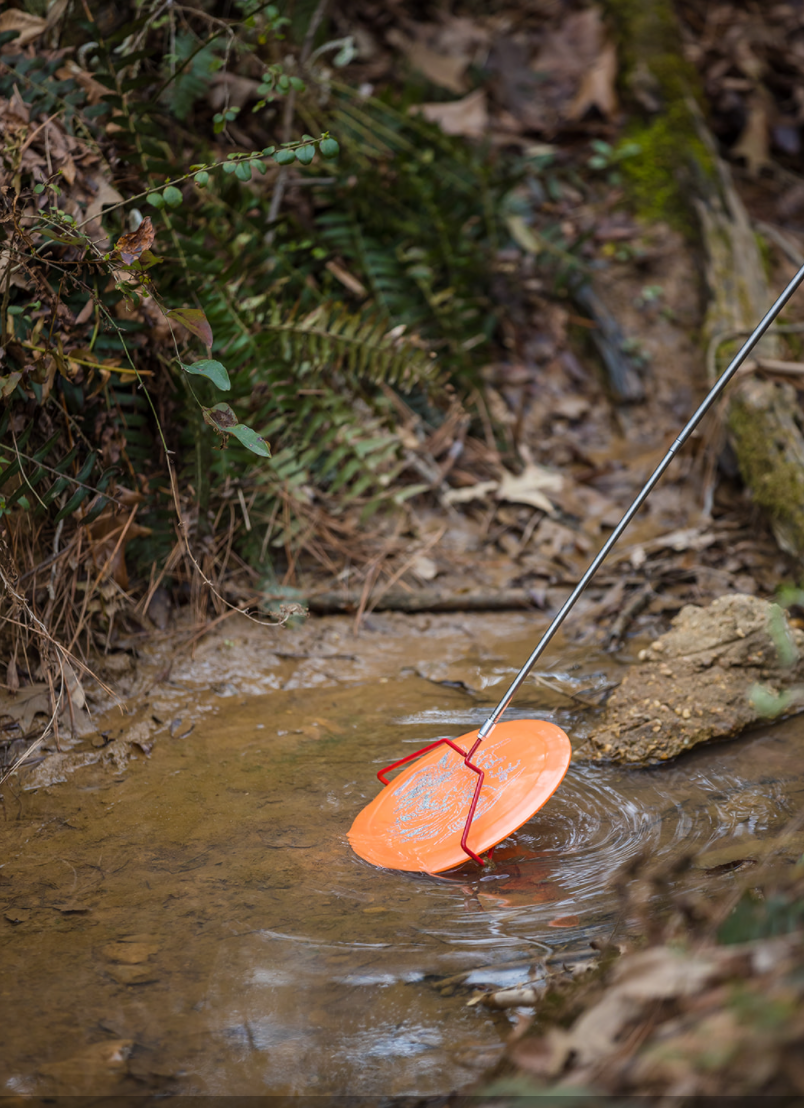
x,y
643,495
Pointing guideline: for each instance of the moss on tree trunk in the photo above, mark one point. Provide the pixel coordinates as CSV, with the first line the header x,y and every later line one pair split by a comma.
x,y
680,177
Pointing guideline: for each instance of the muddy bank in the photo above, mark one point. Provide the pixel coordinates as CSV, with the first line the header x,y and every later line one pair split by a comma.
x,y
647,704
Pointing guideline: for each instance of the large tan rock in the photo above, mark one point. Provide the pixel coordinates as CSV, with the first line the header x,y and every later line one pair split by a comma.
x,y
693,684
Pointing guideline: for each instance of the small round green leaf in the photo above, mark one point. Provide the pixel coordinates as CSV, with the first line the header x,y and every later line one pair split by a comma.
x,y
243,171
251,440
202,179
229,167
39,189
329,148
212,370
172,196
155,199
305,154
298,84
284,157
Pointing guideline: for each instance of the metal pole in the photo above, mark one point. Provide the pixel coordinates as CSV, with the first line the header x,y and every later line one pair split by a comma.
x,y
701,411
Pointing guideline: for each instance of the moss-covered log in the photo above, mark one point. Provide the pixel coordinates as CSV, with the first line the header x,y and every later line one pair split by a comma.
x,y
680,177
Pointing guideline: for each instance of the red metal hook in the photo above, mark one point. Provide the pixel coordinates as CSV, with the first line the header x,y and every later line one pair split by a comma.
x,y
472,807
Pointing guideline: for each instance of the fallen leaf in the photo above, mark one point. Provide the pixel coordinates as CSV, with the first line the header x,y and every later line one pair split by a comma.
x,y
523,235
530,487
597,86
754,143
347,279
468,117
9,383
28,27
132,245
105,542
228,90
470,492
25,704
424,568
94,90
105,194
442,69
520,996
12,677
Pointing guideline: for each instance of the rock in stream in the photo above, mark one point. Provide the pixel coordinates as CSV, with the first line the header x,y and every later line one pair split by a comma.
x,y
693,684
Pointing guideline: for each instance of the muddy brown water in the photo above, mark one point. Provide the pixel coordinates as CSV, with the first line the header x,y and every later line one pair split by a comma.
x,y
194,921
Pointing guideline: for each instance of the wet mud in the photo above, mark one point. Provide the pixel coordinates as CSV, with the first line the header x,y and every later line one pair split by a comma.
x,y
182,913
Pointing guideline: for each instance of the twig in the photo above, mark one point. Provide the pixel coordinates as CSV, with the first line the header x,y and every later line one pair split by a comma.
x,y
638,601
289,109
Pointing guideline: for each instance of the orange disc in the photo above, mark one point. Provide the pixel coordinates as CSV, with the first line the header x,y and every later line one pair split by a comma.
x,y
417,821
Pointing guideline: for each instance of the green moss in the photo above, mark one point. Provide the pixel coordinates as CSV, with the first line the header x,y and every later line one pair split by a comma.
x,y
775,481
673,157
675,163
765,254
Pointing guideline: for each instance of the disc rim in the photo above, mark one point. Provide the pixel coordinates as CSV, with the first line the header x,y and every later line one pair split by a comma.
x,y
547,738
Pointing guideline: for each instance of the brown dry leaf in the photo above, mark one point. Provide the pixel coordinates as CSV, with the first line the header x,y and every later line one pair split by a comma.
x,y
597,86
17,107
468,117
28,27
530,487
25,704
347,279
106,194
103,537
94,90
642,978
12,677
228,90
131,246
441,69
478,491
754,142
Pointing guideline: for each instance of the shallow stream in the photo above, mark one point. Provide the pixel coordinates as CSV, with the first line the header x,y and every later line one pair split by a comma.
x,y
194,921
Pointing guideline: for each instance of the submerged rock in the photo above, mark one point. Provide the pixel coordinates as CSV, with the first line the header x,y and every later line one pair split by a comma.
x,y
693,684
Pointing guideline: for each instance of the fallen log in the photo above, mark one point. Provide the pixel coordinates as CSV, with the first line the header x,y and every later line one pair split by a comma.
x,y
426,600
681,177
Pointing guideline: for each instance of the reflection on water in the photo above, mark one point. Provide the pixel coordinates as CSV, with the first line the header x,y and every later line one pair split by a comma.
x,y
205,906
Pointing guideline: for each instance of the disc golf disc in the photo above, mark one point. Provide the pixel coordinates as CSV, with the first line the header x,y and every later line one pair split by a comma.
x,y
417,821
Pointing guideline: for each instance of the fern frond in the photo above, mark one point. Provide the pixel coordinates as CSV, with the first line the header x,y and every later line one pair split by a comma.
x,y
358,346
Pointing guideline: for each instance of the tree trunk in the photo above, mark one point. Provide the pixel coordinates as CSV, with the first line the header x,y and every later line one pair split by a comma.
x,y
680,169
